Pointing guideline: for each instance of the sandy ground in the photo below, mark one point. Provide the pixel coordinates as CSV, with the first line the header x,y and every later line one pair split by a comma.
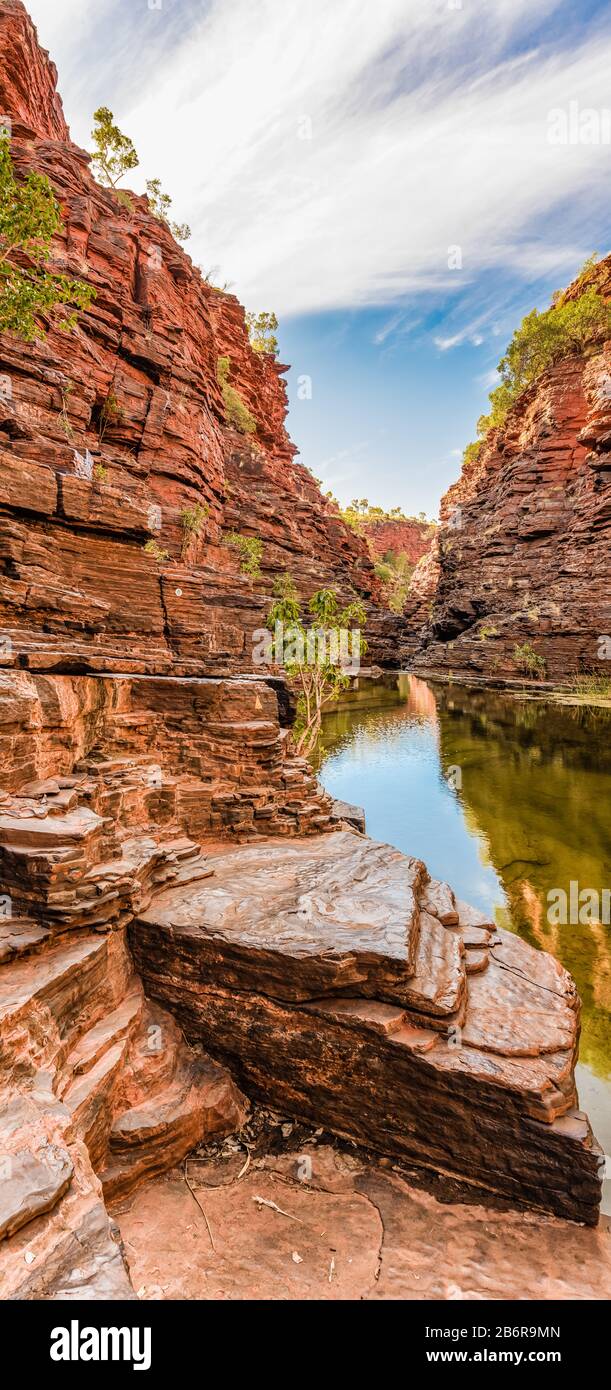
x,y
326,1225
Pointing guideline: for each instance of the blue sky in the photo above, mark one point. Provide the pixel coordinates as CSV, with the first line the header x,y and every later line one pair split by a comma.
x,y
329,156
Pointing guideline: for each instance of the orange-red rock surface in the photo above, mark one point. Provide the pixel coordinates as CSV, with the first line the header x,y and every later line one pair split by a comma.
x,y
351,1230
523,553
370,1001
403,536
135,388
145,773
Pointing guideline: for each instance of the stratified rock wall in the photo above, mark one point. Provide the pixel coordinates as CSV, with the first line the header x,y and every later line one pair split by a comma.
x,y
108,435
523,554
403,536
377,1005
135,742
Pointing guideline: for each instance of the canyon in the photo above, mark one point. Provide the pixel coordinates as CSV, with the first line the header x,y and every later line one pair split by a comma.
x,y
190,927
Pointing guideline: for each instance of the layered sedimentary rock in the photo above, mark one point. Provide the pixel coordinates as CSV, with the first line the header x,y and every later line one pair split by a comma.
x,y
137,748
112,434
403,536
106,781
97,1090
523,551
370,1001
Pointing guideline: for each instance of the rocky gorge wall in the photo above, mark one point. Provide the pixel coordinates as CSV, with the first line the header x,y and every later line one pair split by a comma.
x,y
522,554
180,916
403,536
111,433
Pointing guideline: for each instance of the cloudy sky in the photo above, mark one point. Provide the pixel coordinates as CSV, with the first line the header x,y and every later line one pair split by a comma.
x,y
388,177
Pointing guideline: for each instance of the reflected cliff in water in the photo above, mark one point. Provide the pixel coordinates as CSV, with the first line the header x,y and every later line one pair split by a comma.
x,y
504,797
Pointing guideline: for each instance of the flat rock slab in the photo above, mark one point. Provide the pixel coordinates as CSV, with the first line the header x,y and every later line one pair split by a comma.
x,y
523,1005
352,1231
296,964
331,914
31,1184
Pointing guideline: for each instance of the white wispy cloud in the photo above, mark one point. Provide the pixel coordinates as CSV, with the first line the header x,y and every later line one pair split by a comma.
x,y
328,156
488,379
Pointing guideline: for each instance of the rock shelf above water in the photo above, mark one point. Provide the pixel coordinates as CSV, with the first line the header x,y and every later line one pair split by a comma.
x,y
320,972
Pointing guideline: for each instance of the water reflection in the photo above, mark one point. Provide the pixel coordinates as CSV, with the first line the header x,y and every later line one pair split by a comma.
x,y
505,798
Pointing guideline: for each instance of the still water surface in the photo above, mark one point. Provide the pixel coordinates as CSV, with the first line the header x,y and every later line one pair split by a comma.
x,y
505,798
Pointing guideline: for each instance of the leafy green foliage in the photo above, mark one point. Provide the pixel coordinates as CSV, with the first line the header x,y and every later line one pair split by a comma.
x,y
527,660
250,549
160,204
395,571
29,219
568,327
110,414
236,410
310,651
360,512
155,550
192,521
113,152
262,332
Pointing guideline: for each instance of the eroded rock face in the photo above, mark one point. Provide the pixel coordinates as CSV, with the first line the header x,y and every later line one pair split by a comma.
x,y
370,1001
136,744
109,435
523,552
405,536
110,784
97,1090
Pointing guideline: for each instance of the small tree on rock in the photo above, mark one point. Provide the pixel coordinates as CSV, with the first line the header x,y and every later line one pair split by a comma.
x,y
113,153
262,332
160,204
314,654
30,217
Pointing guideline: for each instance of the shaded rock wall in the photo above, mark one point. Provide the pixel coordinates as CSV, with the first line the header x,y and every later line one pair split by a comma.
x,y
523,552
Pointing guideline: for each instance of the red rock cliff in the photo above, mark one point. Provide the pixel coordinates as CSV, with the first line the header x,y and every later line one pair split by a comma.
x,y
523,551
136,386
405,536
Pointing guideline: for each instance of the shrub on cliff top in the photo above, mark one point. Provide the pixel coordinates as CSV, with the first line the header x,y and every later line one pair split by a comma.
x,y
262,332
113,152
29,219
237,412
569,326
160,204
359,512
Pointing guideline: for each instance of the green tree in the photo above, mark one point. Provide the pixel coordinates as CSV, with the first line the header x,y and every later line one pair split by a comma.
x,y
29,219
311,652
395,572
571,325
113,153
160,204
262,332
